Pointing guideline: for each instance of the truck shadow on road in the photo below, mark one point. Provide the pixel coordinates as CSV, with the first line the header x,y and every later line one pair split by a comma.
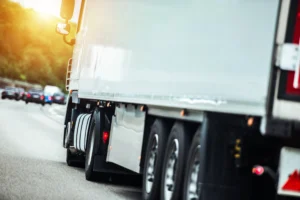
x,y
128,186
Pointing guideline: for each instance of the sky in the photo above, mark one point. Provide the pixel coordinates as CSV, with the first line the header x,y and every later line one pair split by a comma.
x,y
51,7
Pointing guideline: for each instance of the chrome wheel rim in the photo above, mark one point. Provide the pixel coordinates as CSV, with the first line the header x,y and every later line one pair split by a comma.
x,y
151,164
91,149
192,186
67,133
171,169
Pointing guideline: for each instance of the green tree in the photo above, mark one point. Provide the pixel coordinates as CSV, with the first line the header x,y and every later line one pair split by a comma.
x,y
30,49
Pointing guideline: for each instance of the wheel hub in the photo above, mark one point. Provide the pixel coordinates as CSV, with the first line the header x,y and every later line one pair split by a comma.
x,y
151,164
68,132
170,175
192,188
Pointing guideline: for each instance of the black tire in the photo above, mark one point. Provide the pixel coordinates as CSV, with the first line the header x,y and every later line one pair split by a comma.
x,y
193,158
26,102
179,136
93,145
74,160
70,159
159,131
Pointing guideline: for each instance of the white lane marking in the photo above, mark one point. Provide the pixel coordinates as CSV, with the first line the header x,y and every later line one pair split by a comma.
x,y
52,111
59,110
49,112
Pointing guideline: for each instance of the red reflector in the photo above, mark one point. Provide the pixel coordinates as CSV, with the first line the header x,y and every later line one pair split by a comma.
x,y
289,84
290,78
293,183
105,136
258,170
28,95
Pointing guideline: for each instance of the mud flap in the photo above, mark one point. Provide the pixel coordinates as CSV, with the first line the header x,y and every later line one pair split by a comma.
x,y
219,179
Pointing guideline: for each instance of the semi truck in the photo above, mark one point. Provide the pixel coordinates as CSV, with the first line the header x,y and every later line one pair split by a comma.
x,y
200,98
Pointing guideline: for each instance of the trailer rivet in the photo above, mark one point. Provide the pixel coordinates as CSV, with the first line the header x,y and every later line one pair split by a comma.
x,y
142,108
98,103
108,104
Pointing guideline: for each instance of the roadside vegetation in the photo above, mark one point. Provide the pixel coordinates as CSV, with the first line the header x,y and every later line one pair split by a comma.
x,y
30,49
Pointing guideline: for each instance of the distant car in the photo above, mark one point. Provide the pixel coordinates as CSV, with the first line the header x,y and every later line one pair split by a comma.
x,y
48,98
20,92
51,89
9,93
59,98
24,96
35,96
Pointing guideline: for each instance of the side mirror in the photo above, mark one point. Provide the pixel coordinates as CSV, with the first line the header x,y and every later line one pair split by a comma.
x,y
63,28
67,9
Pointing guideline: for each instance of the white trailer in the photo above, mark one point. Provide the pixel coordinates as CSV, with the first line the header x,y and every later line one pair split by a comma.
x,y
199,97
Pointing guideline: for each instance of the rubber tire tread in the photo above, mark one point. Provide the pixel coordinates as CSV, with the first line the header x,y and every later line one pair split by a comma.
x,y
180,132
160,128
195,143
70,158
97,125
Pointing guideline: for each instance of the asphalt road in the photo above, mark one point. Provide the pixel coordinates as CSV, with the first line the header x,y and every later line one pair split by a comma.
x,y
32,160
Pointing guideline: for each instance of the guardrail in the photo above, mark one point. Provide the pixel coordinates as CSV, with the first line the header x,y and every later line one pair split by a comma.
x,y
9,82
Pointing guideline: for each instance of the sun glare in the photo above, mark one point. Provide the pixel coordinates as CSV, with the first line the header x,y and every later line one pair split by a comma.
x,y
45,7
44,15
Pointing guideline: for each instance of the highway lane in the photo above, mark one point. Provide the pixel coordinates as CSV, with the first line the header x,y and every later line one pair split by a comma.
x,y
32,160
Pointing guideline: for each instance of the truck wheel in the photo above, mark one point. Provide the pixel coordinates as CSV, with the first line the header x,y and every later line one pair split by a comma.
x,y
67,135
92,147
154,160
191,190
174,162
74,160
70,158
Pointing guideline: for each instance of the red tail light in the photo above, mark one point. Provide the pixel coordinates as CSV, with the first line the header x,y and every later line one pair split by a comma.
x,y
258,170
42,97
105,137
28,95
290,89
50,98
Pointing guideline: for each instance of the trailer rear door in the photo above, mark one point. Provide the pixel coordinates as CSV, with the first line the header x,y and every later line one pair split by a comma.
x,y
285,86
